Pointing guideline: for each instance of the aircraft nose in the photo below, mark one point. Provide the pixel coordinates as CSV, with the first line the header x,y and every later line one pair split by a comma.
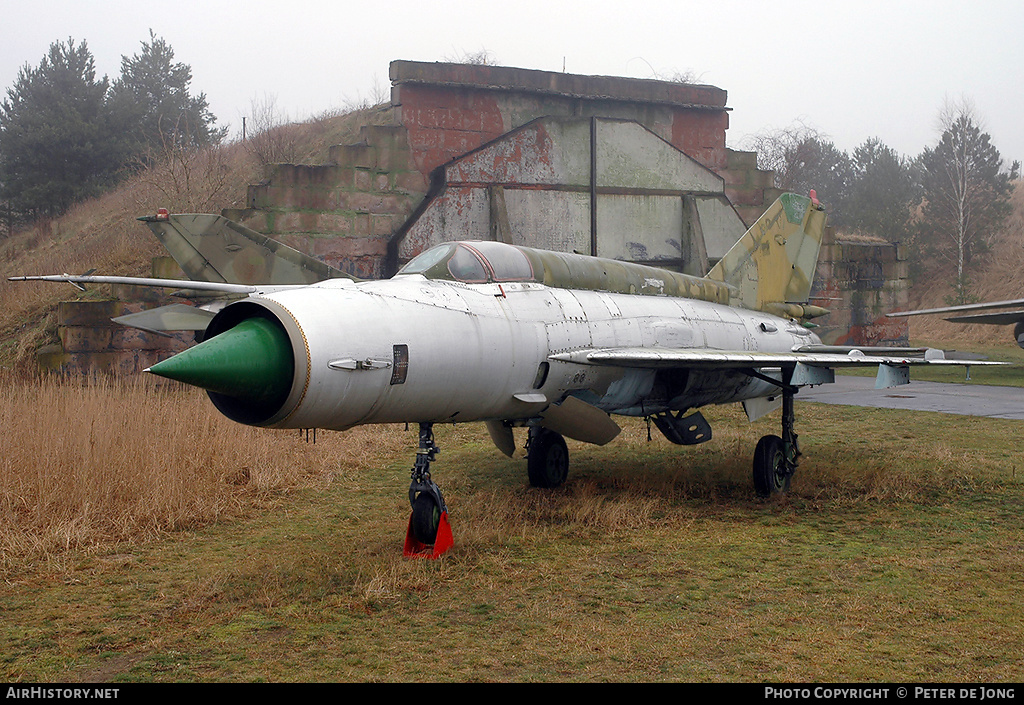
x,y
251,362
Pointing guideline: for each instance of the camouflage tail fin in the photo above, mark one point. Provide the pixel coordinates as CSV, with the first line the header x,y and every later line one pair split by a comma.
x,y
212,248
771,267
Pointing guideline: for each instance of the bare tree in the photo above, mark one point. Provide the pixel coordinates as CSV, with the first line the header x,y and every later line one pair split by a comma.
x,y
185,177
781,150
672,75
482,57
378,95
802,159
267,137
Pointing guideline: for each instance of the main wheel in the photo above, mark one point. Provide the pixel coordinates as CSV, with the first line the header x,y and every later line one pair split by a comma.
x,y
547,462
770,472
426,517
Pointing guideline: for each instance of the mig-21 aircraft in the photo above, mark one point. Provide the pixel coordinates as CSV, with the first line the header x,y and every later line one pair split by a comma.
x,y
520,338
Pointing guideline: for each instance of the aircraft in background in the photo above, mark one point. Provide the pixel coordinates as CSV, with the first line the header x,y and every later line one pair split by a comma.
x,y
992,317
517,338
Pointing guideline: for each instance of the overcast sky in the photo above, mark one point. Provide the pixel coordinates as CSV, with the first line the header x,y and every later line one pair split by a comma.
x,y
850,69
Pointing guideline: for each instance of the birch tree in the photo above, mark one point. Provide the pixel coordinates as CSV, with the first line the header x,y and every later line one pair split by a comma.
x,y
966,192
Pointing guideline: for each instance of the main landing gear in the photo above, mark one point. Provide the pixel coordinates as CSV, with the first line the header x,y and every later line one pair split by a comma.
x,y
775,459
547,458
429,534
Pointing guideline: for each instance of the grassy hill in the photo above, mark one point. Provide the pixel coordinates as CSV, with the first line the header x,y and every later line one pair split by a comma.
x,y
103,233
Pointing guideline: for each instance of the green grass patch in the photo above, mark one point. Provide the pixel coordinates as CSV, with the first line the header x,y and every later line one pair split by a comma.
x,y
896,557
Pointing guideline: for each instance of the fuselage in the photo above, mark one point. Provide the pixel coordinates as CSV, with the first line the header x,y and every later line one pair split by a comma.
x,y
412,349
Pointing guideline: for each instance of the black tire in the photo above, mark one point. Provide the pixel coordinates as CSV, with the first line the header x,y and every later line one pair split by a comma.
x,y
547,462
770,474
426,517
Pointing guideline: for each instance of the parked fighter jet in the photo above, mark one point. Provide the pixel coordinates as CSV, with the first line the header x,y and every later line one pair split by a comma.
x,y
523,338
992,317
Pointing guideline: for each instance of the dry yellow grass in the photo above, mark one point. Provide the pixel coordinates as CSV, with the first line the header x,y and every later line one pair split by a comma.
x,y
144,537
89,464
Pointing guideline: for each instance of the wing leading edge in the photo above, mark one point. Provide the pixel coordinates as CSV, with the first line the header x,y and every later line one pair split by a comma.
x,y
183,284
808,368
1000,318
164,319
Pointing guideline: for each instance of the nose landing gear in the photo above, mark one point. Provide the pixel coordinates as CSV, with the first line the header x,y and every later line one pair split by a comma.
x,y
429,534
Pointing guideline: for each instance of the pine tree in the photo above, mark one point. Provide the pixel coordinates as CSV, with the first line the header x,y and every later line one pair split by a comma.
x,y
58,139
153,91
883,192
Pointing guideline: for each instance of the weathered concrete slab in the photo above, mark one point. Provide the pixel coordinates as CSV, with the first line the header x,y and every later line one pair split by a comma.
x,y
635,201
966,399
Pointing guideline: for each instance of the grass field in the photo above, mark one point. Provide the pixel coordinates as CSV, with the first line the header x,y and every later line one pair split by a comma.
x,y
176,546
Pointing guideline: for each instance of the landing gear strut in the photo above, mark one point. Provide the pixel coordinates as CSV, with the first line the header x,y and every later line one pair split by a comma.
x,y
429,533
775,459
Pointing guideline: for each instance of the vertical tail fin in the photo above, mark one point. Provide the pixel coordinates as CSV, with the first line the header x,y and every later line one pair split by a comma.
x,y
771,267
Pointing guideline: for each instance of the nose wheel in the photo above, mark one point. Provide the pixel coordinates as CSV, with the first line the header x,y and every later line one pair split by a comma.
x,y
429,534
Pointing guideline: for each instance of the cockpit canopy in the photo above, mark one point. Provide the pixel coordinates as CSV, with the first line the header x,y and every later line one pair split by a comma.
x,y
476,262
484,261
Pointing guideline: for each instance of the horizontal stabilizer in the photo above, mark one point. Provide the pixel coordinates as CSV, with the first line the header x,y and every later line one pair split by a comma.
x,y
214,249
168,318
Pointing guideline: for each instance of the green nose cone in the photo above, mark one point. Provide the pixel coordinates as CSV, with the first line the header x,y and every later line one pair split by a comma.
x,y
251,362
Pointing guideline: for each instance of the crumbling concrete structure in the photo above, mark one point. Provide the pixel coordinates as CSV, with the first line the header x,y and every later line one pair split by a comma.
x,y
632,169
361,211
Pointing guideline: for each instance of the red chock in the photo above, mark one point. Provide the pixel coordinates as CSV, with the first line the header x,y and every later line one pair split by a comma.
x,y
442,542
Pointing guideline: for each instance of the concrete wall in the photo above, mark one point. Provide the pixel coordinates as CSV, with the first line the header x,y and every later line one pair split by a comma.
x,y
450,109
344,212
91,343
347,211
595,185
859,282
750,190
